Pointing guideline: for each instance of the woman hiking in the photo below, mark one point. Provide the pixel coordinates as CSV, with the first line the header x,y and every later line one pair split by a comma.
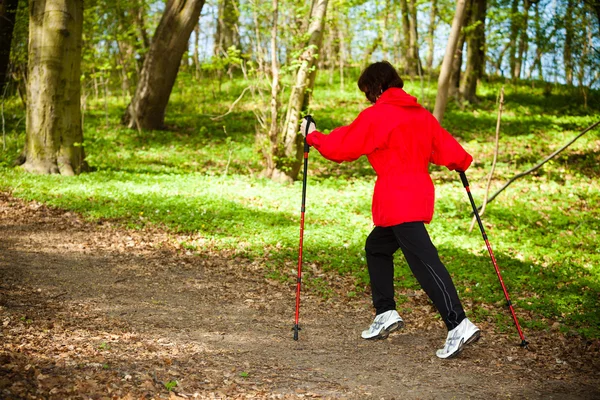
x,y
400,138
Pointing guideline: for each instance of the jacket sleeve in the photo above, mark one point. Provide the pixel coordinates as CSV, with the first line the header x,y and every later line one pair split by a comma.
x,y
348,143
447,151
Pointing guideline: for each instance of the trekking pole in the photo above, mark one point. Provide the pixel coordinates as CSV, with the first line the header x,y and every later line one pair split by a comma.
x,y
296,328
465,183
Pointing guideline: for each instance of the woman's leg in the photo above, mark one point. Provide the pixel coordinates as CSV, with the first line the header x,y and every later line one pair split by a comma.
x,y
380,248
423,260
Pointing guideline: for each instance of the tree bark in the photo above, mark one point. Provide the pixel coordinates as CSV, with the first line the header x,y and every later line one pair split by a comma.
x,y
148,106
342,51
475,51
441,99
523,39
8,12
226,34
54,137
415,59
568,47
366,58
290,161
454,85
431,34
196,55
406,53
514,35
273,130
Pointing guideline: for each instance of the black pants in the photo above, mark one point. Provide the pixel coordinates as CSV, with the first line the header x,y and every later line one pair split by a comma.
x,y
422,257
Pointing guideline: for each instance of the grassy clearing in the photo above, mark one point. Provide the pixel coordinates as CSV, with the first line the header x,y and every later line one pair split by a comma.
x,y
202,177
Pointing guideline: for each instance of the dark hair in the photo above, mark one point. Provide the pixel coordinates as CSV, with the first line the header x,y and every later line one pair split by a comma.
x,y
377,78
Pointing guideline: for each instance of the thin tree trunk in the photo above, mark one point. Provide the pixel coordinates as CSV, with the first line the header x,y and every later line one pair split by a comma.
x,y
366,58
162,64
8,13
273,131
431,34
54,137
226,34
342,52
475,51
441,99
541,38
514,35
523,39
414,38
406,54
457,67
568,47
138,11
292,143
259,50
140,23
196,56
500,59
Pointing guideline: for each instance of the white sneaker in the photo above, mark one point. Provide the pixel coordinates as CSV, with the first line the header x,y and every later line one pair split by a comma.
x,y
383,324
465,333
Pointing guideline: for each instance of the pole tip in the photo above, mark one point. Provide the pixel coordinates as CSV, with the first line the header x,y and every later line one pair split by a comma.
x,y
296,328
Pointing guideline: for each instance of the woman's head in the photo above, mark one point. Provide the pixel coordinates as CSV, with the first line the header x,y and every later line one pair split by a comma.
x,y
377,78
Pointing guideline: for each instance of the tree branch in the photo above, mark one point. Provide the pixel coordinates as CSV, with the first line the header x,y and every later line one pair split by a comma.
x,y
232,106
551,156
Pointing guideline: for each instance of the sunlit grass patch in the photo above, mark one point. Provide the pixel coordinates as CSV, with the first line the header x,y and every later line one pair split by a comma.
x,y
200,177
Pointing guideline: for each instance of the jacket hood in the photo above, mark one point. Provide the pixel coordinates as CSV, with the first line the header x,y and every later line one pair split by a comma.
x,y
398,97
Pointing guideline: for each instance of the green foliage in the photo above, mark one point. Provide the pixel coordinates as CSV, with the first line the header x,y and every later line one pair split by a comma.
x,y
104,346
201,178
171,385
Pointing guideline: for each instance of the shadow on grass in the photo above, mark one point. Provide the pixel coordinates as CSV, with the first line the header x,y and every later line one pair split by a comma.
x,y
206,214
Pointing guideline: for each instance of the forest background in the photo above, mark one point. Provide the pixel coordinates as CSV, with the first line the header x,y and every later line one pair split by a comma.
x,y
184,115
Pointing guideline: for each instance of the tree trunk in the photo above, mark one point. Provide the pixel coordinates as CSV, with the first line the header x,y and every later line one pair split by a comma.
x,y
273,130
8,12
196,56
414,39
431,35
342,51
369,50
226,34
514,35
139,12
454,85
475,50
523,39
54,138
406,53
542,38
170,41
441,99
568,49
290,161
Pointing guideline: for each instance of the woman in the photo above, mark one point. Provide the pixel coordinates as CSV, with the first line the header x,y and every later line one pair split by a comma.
x,y
400,138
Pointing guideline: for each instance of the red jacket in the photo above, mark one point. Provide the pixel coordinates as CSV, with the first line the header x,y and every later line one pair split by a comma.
x,y
400,138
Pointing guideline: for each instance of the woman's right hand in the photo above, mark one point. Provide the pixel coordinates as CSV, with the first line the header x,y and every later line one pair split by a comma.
x,y
311,127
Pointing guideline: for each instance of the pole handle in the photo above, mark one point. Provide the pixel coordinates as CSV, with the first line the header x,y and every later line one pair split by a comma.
x,y
463,178
308,119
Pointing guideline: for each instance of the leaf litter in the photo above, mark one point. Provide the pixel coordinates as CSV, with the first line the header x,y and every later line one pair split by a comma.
x,y
96,310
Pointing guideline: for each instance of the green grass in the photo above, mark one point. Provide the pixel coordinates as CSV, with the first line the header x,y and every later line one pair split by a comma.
x,y
201,177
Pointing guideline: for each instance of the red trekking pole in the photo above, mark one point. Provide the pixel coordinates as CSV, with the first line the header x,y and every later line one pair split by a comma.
x,y
296,328
465,182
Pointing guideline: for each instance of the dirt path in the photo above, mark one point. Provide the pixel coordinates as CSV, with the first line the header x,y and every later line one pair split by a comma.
x,y
97,311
